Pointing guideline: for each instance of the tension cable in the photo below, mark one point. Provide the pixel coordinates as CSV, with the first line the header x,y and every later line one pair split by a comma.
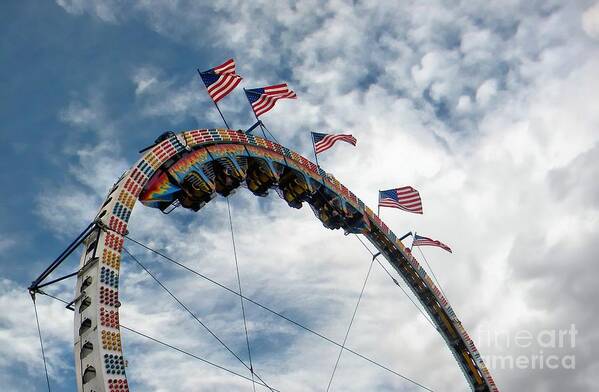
x,y
247,340
350,324
397,284
39,331
266,308
193,315
432,272
172,347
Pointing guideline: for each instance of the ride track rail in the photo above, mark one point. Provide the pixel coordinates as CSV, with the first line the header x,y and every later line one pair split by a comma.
x,y
190,168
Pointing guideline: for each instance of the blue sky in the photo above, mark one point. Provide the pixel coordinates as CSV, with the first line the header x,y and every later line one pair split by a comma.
x,y
488,109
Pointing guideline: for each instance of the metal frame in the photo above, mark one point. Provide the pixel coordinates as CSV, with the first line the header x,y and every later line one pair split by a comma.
x,y
97,348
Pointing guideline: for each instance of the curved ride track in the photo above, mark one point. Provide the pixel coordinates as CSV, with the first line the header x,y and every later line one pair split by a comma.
x,y
190,168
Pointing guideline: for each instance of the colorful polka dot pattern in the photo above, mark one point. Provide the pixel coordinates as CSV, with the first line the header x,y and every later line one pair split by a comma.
x,y
109,297
111,341
109,277
111,258
118,385
109,318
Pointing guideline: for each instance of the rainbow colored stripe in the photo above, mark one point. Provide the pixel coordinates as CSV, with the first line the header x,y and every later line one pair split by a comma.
x,y
204,145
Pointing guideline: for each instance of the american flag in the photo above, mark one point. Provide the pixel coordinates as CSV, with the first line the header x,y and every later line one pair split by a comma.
x,y
405,198
221,80
324,141
425,241
263,99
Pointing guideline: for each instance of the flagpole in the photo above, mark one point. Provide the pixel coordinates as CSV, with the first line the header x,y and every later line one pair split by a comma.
x,y
403,237
255,115
250,129
413,238
378,210
432,272
215,104
314,149
270,133
262,128
316,159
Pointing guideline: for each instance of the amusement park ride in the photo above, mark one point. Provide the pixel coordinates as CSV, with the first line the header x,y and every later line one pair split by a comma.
x,y
189,169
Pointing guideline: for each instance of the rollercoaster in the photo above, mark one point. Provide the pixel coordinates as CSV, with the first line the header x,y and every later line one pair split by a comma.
x,y
189,169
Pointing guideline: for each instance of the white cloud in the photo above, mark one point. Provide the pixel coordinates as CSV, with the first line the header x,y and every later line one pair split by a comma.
x,y
144,79
486,92
512,185
19,341
464,104
159,95
6,242
105,10
77,114
88,114
590,21
65,207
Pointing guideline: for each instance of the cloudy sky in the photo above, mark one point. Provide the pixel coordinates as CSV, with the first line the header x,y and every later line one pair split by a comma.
x,y
488,108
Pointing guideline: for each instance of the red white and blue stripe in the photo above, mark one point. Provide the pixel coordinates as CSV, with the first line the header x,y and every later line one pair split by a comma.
x,y
221,80
264,98
405,198
425,241
324,141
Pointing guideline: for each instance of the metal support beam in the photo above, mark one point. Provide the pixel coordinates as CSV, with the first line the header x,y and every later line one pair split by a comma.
x,y
37,283
56,280
258,123
409,233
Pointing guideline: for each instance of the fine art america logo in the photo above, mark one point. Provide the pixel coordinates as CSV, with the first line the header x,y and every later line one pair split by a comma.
x,y
524,349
